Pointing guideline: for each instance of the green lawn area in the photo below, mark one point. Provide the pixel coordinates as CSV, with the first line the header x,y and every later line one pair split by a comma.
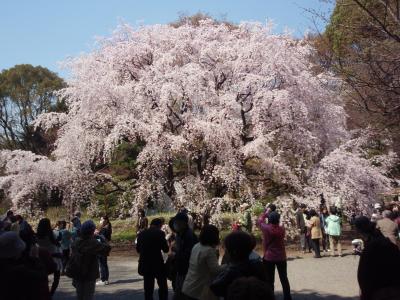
x,y
124,230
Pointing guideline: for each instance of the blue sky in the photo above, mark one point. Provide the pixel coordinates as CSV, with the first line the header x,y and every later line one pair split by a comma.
x,y
45,32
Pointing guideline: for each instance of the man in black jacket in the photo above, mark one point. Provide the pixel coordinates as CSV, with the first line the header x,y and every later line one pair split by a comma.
x,y
150,243
185,240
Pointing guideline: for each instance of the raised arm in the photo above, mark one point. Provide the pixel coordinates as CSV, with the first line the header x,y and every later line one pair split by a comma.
x,y
261,219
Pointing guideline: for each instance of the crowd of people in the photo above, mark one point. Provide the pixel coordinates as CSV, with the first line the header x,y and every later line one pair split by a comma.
x,y
173,251
29,257
316,229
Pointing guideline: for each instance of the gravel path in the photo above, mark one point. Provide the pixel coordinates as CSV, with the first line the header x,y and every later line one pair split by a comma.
x,y
329,278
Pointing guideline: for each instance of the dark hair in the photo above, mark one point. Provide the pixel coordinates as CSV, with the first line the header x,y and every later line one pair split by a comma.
x,y
303,205
209,235
10,213
274,218
105,217
253,242
238,244
272,207
18,217
44,230
158,222
364,225
249,288
182,217
141,212
333,210
313,213
62,224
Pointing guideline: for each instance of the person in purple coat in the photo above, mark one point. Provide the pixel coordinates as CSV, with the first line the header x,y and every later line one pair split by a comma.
x,y
274,250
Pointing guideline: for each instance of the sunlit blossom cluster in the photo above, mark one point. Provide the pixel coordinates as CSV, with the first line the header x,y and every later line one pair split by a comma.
x,y
223,100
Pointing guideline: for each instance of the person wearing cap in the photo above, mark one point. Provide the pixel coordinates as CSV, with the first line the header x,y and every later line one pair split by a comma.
x,y
388,227
185,240
89,247
274,250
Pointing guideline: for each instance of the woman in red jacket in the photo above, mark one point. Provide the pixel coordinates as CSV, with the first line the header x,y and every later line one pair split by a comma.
x,y
274,250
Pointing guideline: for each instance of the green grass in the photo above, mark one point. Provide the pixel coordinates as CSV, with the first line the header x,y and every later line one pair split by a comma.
x,y
124,231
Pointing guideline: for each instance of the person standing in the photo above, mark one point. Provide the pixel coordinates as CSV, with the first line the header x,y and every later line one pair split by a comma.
x,y
334,229
190,217
203,265
185,240
142,222
104,235
24,226
21,277
83,264
65,243
245,220
47,241
301,226
316,232
238,245
274,251
325,236
77,216
388,227
378,269
150,243
75,228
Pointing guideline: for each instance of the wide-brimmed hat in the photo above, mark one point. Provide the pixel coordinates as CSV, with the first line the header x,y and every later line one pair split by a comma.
x,y
11,245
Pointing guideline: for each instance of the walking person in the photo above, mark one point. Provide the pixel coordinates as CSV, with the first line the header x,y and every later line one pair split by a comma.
x,y
274,251
301,226
203,265
83,265
65,243
316,232
334,229
104,235
150,243
185,240
47,241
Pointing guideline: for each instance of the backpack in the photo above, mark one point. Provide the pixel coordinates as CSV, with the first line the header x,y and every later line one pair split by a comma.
x,y
77,266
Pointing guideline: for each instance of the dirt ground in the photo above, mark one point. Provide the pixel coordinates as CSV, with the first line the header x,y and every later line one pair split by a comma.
x,y
330,278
